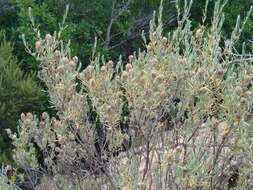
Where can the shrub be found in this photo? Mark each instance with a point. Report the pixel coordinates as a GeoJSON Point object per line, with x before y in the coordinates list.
{"type": "Point", "coordinates": [186, 103]}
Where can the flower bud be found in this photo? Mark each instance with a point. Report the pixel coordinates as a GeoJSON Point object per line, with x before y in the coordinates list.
{"type": "Point", "coordinates": [164, 40]}
{"type": "Point", "coordinates": [55, 123]}
{"type": "Point", "coordinates": [199, 33]}
{"type": "Point", "coordinates": [57, 54]}
{"type": "Point", "coordinates": [103, 69]}
{"type": "Point", "coordinates": [72, 63]}
{"type": "Point", "coordinates": [149, 48]}
{"type": "Point", "coordinates": [44, 116]}
{"type": "Point", "coordinates": [131, 58]}
{"type": "Point", "coordinates": [90, 68]}
{"type": "Point", "coordinates": [38, 47]}
{"type": "Point", "coordinates": [53, 120]}
{"type": "Point", "coordinates": [60, 69]}
{"type": "Point", "coordinates": [42, 124]}
{"type": "Point", "coordinates": [48, 39]}
{"type": "Point", "coordinates": [88, 72]}
{"type": "Point", "coordinates": [29, 116]}
{"type": "Point", "coordinates": [110, 62]}
{"type": "Point", "coordinates": [163, 94]}
{"type": "Point", "coordinates": [23, 117]}
{"type": "Point", "coordinates": [109, 109]}
{"type": "Point", "coordinates": [75, 59]}
{"type": "Point", "coordinates": [128, 66]}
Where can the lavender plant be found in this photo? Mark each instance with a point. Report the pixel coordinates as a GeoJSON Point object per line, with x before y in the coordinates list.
{"type": "Point", "coordinates": [189, 103]}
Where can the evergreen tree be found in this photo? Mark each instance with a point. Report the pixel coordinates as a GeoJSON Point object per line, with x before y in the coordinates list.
{"type": "Point", "coordinates": [18, 93]}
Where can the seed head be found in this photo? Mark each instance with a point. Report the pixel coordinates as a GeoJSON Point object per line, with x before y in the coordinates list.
{"type": "Point", "coordinates": [44, 116]}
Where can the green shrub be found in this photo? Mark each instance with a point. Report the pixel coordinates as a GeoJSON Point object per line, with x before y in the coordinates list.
{"type": "Point", "coordinates": [18, 93]}
{"type": "Point", "coordinates": [190, 114]}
